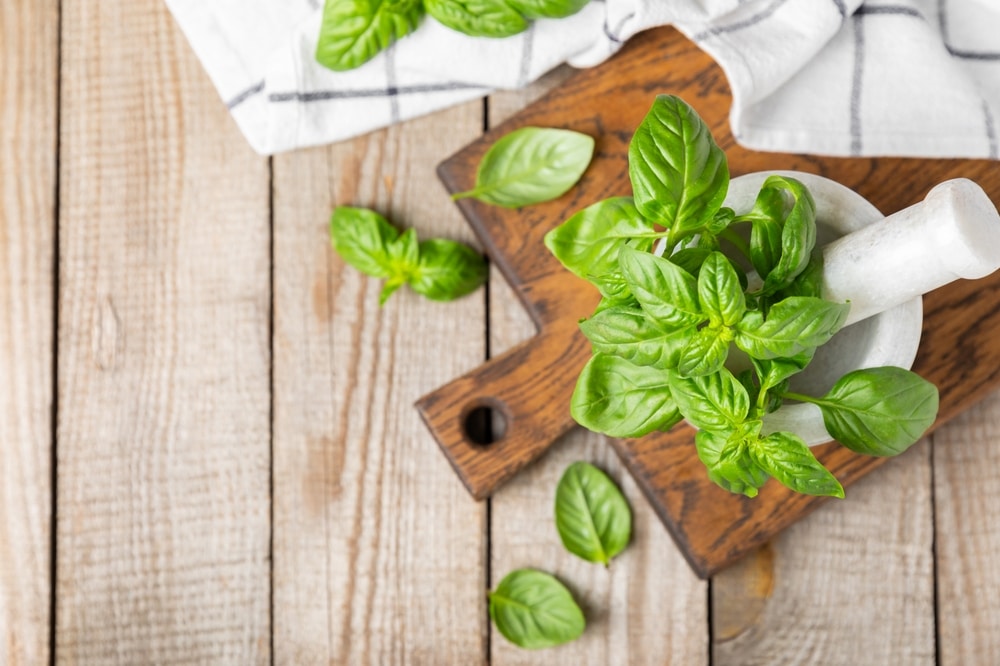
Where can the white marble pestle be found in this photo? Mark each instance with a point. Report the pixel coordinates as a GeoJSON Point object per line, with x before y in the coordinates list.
{"type": "Point", "coordinates": [882, 266]}
{"type": "Point", "coordinates": [953, 233]}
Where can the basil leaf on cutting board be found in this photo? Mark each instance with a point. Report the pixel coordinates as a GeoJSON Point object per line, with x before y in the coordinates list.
{"type": "Point", "coordinates": [593, 519]}
{"type": "Point", "coordinates": [531, 165]}
{"type": "Point", "coordinates": [533, 610]}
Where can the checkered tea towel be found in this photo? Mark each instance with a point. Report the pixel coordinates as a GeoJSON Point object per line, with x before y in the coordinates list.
{"type": "Point", "coordinates": [835, 77]}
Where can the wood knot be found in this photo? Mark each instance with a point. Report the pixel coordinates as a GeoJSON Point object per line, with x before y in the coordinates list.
{"type": "Point", "coordinates": [108, 337]}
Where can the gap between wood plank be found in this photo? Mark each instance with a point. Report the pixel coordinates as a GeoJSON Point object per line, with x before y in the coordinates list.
{"type": "Point", "coordinates": [54, 409]}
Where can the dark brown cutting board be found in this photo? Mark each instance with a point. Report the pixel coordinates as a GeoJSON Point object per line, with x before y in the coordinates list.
{"type": "Point", "coordinates": [530, 386]}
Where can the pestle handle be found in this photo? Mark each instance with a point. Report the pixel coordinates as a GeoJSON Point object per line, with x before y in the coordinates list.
{"type": "Point", "coordinates": [953, 233]}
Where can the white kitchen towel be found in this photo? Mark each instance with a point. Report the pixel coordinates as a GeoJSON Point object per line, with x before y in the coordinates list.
{"type": "Point", "coordinates": [835, 77]}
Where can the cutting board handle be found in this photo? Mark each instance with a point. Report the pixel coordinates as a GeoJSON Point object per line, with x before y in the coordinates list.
{"type": "Point", "coordinates": [527, 391]}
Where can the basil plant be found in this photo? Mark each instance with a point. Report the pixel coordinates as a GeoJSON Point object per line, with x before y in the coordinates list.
{"type": "Point", "coordinates": [674, 305]}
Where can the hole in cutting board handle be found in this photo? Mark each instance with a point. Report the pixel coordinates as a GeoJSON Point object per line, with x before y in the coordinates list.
{"type": "Point", "coordinates": [485, 422]}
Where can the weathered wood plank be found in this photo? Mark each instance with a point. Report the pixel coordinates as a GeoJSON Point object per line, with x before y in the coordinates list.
{"type": "Point", "coordinates": [852, 584]}
{"type": "Point", "coordinates": [379, 552]}
{"type": "Point", "coordinates": [967, 512]}
{"type": "Point", "coordinates": [28, 109]}
{"type": "Point", "coordinates": [647, 607]}
{"type": "Point", "coordinates": [164, 356]}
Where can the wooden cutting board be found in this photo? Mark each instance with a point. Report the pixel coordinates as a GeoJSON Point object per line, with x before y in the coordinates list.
{"type": "Point", "coordinates": [530, 386]}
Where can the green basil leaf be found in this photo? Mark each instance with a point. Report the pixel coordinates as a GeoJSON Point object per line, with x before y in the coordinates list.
{"type": "Point", "coordinates": [530, 165]}
{"type": "Point", "coordinates": [793, 326]}
{"type": "Point", "coordinates": [879, 411]}
{"type": "Point", "coordinates": [691, 259]}
{"type": "Point", "coordinates": [447, 270]}
{"type": "Point", "coordinates": [592, 516]}
{"type": "Point", "coordinates": [765, 245]}
{"type": "Point", "coordinates": [728, 462]}
{"type": "Point", "coordinates": [711, 402]}
{"type": "Point", "coordinates": [534, 9]}
{"type": "Point", "coordinates": [720, 221]}
{"type": "Point", "coordinates": [355, 31]}
{"type": "Point", "coordinates": [798, 233]}
{"type": "Point", "coordinates": [615, 292]}
{"type": "Point", "coordinates": [810, 281]}
{"type": "Point", "coordinates": [532, 609]}
{"type": "Point", "coordinates": [478, 18]}
{"type": "Point", "coordinates": [719, 291]}
{"type": "Point", "coordinates": [635, 336]}
{"type": "Point", "coordinates": [617, 398]}
{"type": "Point", "coordinates": [776, 370]}
{"type": "Point", "coordinates": [588, 243]}
{"type": "Point", "coordinates": [362, 238]}
{"type": "Point", "coordinates": [786, 457]}
{"type": "Point", "coordinates": [666, 291]}
{"type": "Point", "coordinates": [679, 174]}
{"type": "Point", "coordinates": [390, 288]}
{"type": "Point", "coordinates": [705, 352]}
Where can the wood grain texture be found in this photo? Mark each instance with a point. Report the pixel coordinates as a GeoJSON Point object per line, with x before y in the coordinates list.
{"type": "Point", "coordinates": [163, 431]}
{"type": "Point", "coordinates": [713, 527]}
{"type": "Point", "coordinates": [28, 110]}
{"type": "Point", "coordinates": [852, 585]}
{"type": "Point", "coordinates": [966, 488]}
{"type": "Point", "coordinates": [379, 553]}
{"type": "Point", "coordinates": [647, 607]}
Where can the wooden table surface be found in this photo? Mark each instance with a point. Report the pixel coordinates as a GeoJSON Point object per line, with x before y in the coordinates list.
{"type": "Point", "coordinates": [208, 446]}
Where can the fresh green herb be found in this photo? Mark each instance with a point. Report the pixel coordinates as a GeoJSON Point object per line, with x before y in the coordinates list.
{"type": "Point", "coordinates": [478, 18]}
{"type": "Point", "coordinates": [439, 269]}
{"type": "Point", "coordinates": [355, 31]}
{"type": "Point", "coordinates": [592, 516]}
{"type": "Point", "coordinates": [667, 321]}
{"type": "Point", "coordinates": [531, 165]}
{"type": "Point", "coordinates": [533, 610]}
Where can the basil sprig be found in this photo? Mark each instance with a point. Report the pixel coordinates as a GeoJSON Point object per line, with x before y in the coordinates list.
{"type": "Point", "coordinates": [355, 31]}
{"type": "Point", "coordinates": [667, 322]}
{"type": "Point", "coordinates": [532, 609]}
{"type": "Point", "coordinates": [438, 269]}
{"type": "Point", "coordinates": [531, 165]}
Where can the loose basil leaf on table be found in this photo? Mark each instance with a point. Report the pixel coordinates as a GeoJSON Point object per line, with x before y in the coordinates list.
{"type": "Point", "coordinates": [531, 165]}
{"type": "Point", "coordinates": [679, 174]}
{"type": "Point", "coordinates": [786, 457]}
{"type": "Point", "coordinates": [533, 610]}
{"type": "Point", "coordinates": [593, 519]}
{"type": "Point", "coordinates": [617, 398]}
{"type": "Point", "coordinates": [362, 238]}
{"type": "Point", "coordinates": [439, 269]}
{"type": "Point", "coordinates": [534, 9]}
{"type": "Point", "coordinates": [403, 257]}
{"type": "Point", "coordinates": [879, 411]}
{"type": "Point", "coordinates": [355, 31]}
{"type": "Point", "coordinates": [587, 244]}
